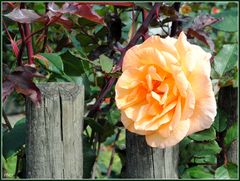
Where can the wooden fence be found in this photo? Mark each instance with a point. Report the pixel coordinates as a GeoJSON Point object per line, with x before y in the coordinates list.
{"type": "Point", "coordinates": [54, 140]}
{"type": "Point", "coordinates": [54, 136]}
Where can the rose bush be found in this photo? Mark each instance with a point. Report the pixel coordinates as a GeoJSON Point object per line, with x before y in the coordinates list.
{"type": "Point", "coordinates": [165, 91]}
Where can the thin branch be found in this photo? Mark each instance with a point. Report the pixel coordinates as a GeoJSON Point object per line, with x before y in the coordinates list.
{"type": "Point", "coordinates": [133, 22]}
{"type": "Point", "coordinates": [144, 16]}
{"type": "Point", "coordinates": [175, 24]}
{"type": "Point", "coordinates": [97, 156]}
{"type": "Point", "coordinates": [20, 54]}
{"type": "Point", "coordinates": [29, 44]}
{"type": "Point", "coordinates": [6, 120]}
{"type": "Point", "coordinates": [45, 31]}
{"type": "Point", "coordinates": [46, 26]}
{"type": "Point", "coordinates": [142, 30]}
{"type": "Point", "coordinates": [109, 170]}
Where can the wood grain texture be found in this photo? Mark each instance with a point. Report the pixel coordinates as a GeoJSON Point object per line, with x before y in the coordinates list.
{"type": "Point", "coordinates": [143, 161]}
{"type": "Point", "coordinates": [54, 132]}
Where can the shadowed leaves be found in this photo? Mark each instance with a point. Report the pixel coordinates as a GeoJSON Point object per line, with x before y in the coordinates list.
{"type": "Point", "coordinates": [22, 81]}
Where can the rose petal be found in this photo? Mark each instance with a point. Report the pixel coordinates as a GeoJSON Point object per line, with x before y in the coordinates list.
{"type": "Point", "coordinates": [131, 55]}
{"type": "Point", "coordinates": [153, 124]}
{"type": "Point", "coordinates": [205, 106]}
{"type": "Point", "coordinates": [128, 124]}
{"type": "Point", "coordinates": [204, 114]}
{"type": "Point", "coordinates": [180, 131]}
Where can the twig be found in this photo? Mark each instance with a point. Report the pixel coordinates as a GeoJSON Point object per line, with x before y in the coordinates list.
{"type": "Point", "coordinates": [20, 54]}
{"type": "Point", "coordinates": [109, 170]}
{"type": "Point", "coordinates": [133, 22]}
{"type": "Point", "coordinates": [175, 24]}
{"type": "Point", "coordinates": [6, 120]}
{"type": "Point", "coordinates": [45, 31]}
{"type": "Point", "coordinates": [141, 31]}
{"type": "Point", "coordinates": [46, 26]}
{"type": "Point", "coordinates": [29, 44]}
{"type": "Point", "coordinates": [144, 16]}
{"type": "Point", "coordinates": [97, 156]}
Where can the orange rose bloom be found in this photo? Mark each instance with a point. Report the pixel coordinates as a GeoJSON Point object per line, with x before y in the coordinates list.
{"type": "Point", "coordinates": [165, 91]}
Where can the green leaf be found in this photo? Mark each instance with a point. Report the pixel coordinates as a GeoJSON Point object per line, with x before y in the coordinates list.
{"type": "Point", "coordinates": [230, 21]}
{"type": "Point", "coordinates": [145, 5]}
{"type": "Point", "coordinates": [14, 139]}
{"type": "Point", "coordinates": [205, 135]}
{"type": "Point", "coordinates": [232, 170]}
{"type": "Point", "coordinates": [10, 166]}
{"type": "Point", "coordinates": [210, 159]}
{"type": "Point", "coordinates": [54, 62]}
{"type": "Point", "coordinates": [113, 116]}
{"type": "Point", "coordinates": [94, 125]}
{"type": "Point", "coordinates": [231, 135]}
{"type": "Point", "coordinates": [72, 65]}
{"type": "Point", "coordinates": [197, 172]}
{"type": "Point", "coordinates": [106, 63]}
{"type": "Point", "coordinates": [220, 122]}
{"type": "Point", "coordinates": [221, 173]}
{"type": "Point", "coordinates": [226, 59]}
{"type": "Point", "coordinates": [205, 148]}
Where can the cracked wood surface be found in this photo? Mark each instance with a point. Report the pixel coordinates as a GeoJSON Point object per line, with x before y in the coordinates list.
{"type": "Point", "coordinates": [143, 161]}
{"type": "Point", "coordinates": [54, 132]}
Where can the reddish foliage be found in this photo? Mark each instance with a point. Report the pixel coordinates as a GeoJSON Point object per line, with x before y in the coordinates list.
{"type": "Point", "coordinates": [196, 30]}
{"type": "Point", "coordinates": [202, 36]}
{"type": "Point", "coordinates": [23, 15]}
{"type": "Point", "coordinates": [22, 81]}
{"type": "Point", "coordinates": [80, 9]}
{"type": "Point", "coordinates": [204, 20]}
{"type": "Point", "coordinates": [125, 4]}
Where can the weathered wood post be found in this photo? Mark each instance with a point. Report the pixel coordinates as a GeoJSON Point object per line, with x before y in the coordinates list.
{"type": "Point", "coordinates": [143, 161]}
{"type": "Point", "coordinates": [54, 132]}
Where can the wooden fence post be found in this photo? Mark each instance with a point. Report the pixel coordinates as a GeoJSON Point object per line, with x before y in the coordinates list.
{"type": "Point", "coordinates": [143, 161]}
{"type": "Point", "coordinates": [54, 132]}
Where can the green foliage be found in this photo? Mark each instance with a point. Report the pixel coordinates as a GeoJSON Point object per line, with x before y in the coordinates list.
{"type": "Point", "coordinates": [231, 135]}
{"type": "Point", "coordinates": [53, 63]}
{"type": "Point", "coordinates": [232, 170]}
{"type": "Point", "coordinates": [9, 166]}
{"type": "Point", "coordinates": [221, 173]}
{"type": "Point", "coordinates": [220, 122]}
{"type": "Point", "coordinates": [226, 59]}
{"type": "Point", "coordinates": [198, 172]}
{"type": "Point", "coordinates": [205, 135]}
{"type": "Point", "coordinates": [106, 63]}
{"type": "Point", "coordinates": [229, 22]}
{"type": "Point", "coordinates": [14, 139]}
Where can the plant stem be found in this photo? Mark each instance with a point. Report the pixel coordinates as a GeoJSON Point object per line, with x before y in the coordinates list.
{"type": "Point", "coordinates": [29, 44]}
{"type": "Point", "coordinates": [6, 120]}
{"type": "Point", "coordinates": [20, 54]}
{"type": "Point", "coordinates": [45, 31]}
{"type": "Point", "coordinates": [175, 24]}
{"type": "Point", "coordinates": [141, 31]}
{"type": "Point", "coordinates": [109, 170]}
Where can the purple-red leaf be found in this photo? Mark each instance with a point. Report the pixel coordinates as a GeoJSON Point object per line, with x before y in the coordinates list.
{"type": "Point", "coordinates": [23, 15]}
{"type": "Point", "coordinates": [86, 12]}
{"type": "Point", "coordinates": [124, 4]}
{"type": "Point", "coordinates": [203, 37]}
{"type": "Point", "coordinates": [8, 88]}
{"type": "Point", "coordinates": [196, 30]}
{"type": "Point", "coordinates": [204, 20]}
{"type": "Point", "coordinates": [22, 81]}
{"type": "Point", "coordinates": [59, 19]}
{"type": "Point", "coordinates": [81, 9]}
